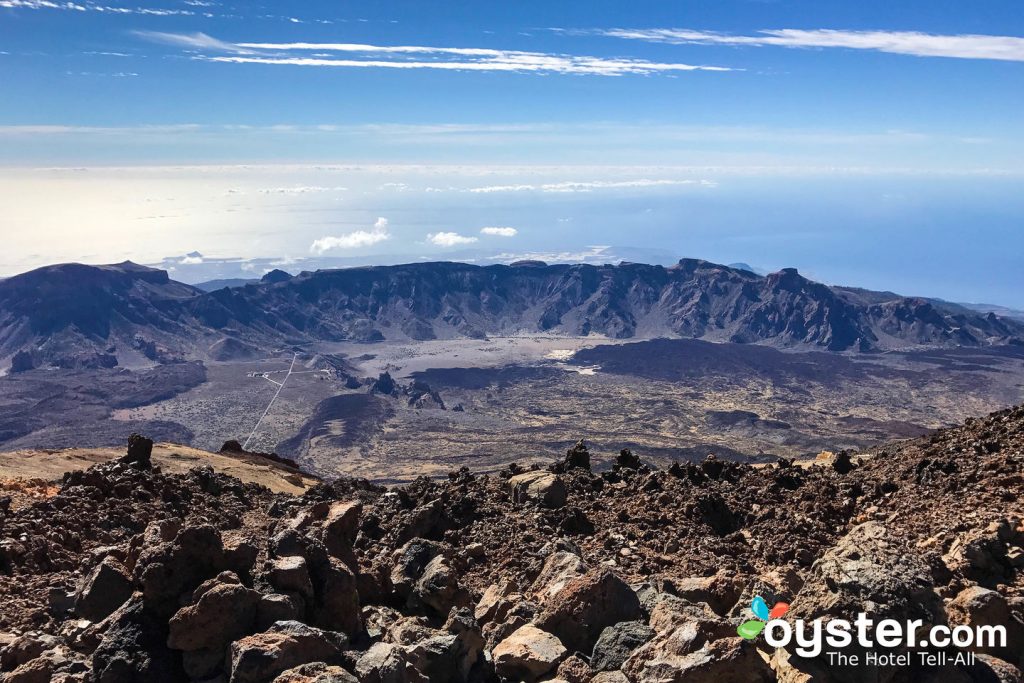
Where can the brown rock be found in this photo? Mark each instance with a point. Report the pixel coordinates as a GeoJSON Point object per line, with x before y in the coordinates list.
{"type": "Point", "coordinates": [103, 590]}
{"type": "Point", "coordinates": [260, 658]}
{"type": "Point", "coordinates": [586, 606]}
{"type": "Point", "coordinates": [221, 614]}
{"type": "Point", "coordinates": [527, 654]}
{"type": "Point", "coordinates": [540, 487]}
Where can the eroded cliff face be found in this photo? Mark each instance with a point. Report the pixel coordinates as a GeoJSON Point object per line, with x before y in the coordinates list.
{"type": "Point", "coordinates": [74, 315]}
{"type": "Point", "coordinates": [557, 572]}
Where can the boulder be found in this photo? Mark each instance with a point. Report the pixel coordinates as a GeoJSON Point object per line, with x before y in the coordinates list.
{"type": "Point", "coordinates": [274, 607]}
{"type": "Point", "coordinates": [382, 663]}
{"type": "Point", "coordinates": [340, 529]}
{"type": "Point", "coordinates": [409, 563]}
{"type": "Point", "coordinates": [720, 591]}
{"type": "Point", "coordinates": [559, 569]}
{"type": "Point", "coordinates": [867, 571]}
{"type": "Point", "coordinates": [168, 570]}
{"type": "Point", "coordinates": [221, 614]}
{"type": "Point", "coordinates": [539, 487]}
{"type": "Point", "coordinates": [140, 452]}
{"type": "Point", "coordinates": [336, 602]}
{"type": "Point", "coordinates": [527, 654]}
{"type": "Point", "coordinates": [616, 643]}
{"type": "Point", "coordinates": [976, 606]}
{"type": "Point", "coordinates": [291, 575]}
{"type": "Point", "coordinates": [316, 673]}
{"type": "Point", "coordinates": [103, 590]}
{"type": "Point", "coordinates": [438, 588]}
{"type": "Point", "coordinates": [260, 658]}
{"type": "Point", "coordinates": [134, 648]}
{"type": "Point", "coordinates": [586, 606]}
{"type": "Point", "coordinates": [728, 660]}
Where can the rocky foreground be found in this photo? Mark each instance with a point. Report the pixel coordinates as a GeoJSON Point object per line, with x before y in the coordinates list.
{"type": "Point", "coordinates": [129, 574]}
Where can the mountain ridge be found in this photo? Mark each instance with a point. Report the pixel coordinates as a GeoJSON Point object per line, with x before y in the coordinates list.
{"type": "Point", "coordinates": [79, 311]}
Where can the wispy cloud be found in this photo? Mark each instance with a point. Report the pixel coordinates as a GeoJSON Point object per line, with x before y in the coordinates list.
{"type": "Point", "coordinates": [962, 46]}
{"type": "Point", "coordinates": [360, 55]}
{"type": "Point", "coordinates": [353, 240]}
{"type": "Point", "coordinates": [193, 41]}
{"type": "Point", "coordinates": [92, 7]}
{"type": "Point", "coordinates": [449, 239]}
{"type": "Point", "coordinates": [589, 186]}
{"type": "Point", "coordinates": [499, 232]}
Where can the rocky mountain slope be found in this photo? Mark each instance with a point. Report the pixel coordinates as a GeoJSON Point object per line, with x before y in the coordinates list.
{"type": "Point", "coordinates": [128, 573]}
{"type": "Point", "coordinates": [76, 315]}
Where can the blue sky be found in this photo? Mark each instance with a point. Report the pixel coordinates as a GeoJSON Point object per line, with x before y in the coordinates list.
{"type": "Point", "coordinates": [869, 143]}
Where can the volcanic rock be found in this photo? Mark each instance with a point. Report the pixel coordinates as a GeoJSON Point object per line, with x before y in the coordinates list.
{"type": "Point", "coordinates": [103, 590]}
{"type": "Point", "coordinates": [262, 657]}
{"type": "Point", "coordinates": [586, 606]}
{"type": "Point", "coordinates": [527, 654]}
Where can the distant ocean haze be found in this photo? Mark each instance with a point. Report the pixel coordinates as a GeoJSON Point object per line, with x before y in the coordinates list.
{"type": "Point", "coordinates": [906, 233]}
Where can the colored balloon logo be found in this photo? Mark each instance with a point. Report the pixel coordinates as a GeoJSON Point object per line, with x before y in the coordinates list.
{"type": "Point", "coordinates": [752, 628]}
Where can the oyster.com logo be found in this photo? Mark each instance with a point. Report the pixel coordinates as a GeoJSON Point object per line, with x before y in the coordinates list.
{"type": "Point", "coordinates": [752, 629]}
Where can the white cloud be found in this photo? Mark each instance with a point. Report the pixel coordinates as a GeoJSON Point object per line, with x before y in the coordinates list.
{"type": "Point", "coordinates": [193, 41]}
{"type": "Point", "coordinates": [588, 186]}
{"type": "Point", "coordinates": [499, 232]}
{"type": "Point", "coordinates": [418, 57]}
{"type": "Point", "coordinates": [353, 240]}
{"type": "Point", "coordinates": [92, 7]}
{"type": "Point", "coordinates": [963, 46]}
{"type": "Point", "coordinates": [301, 189]}
{"type": "Point", "coordinates": [449, 239]}
{"type": "Point", "coordinates": [191, 260]}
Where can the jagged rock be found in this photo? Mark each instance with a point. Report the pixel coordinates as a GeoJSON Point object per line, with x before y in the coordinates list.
{"type": "Point", "coordinates": [291, 575]}
{"type": "Point", "coordinates": [681, 629]}
{"type": "Point", "coordinates": [167, 570]}
{"type": "Point", "coordinates": [103, 590]}
{"type": "Point", "coordinates": [720, 591]}
{"type": "Point", "coordinates": [134, 648]}
{"type": "Point", "coordinates": [586, 606]}
{"type": "Point", "coordinates": [276, 607]}
{"type": "Point", "coordinates": [994, 670]}
{"type": "Point", "coordinates": [616, 643]}
{"type": "Point", "coordinates": [577, 456]}
{"type": "Point", "coordinates": [56, 664]}
{"type": "Point", "coordinates": [383, 663]}
{"type": "Point", "coordinates": [729, 660]}
{"type": "Point", "coordinates": [540, 487]}
{"type": "Point", "coordinates": [384, 384]}
{"type": "Point", "coordinates": [870, 571]}
{"type": "Point", "coordinates": [336, 602]}
{"type": "Point", "coordinates": [609, 677]}
{"type": "Point", "coordinates": [574, 669]}
{"type": "Point", "coordinates": [410, 562]}
{"type": "Point", "coordinates": [140, 451]}
{"type": "Point", "coordinates": [981, 555]}
{"type": "Point", "coordinates": [24, 648]}
{"type": "Point", "coordinates": [976, 606]}
{"type": "Point", "coordinates": [316, 673]}
{"type": "Point", "coordinates": [240, 555]}
{"type": "Point", "coordinates": [627, 460]}
{"type": "Point", "coordinates": [438, 588]}
{"type": "Point", "coordinates": [261, 657]}
{"type": "Point", "coordinates": [340, 529]}
{"type": "Point", "coordinates": [218, 615]}
{"type": "Point", "coordinates": [559, 569]}
{"type": "Point", "coordinates": [527, 654]}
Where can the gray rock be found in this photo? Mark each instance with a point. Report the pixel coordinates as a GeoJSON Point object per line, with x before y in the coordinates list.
{"type": "Point", "coordinates": [103, 590]}
{"type": "Point", "coordinates": [616, 643]}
